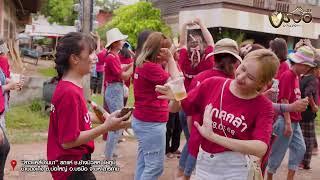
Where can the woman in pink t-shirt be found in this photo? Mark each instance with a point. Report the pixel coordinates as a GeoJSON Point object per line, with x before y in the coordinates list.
{"type": "Point", "coordinates": [114, 75]}
{"type": "Point", "coordinates": [70, 135]}
{"type": "Point", "coordinates": [151, 114]}
{"type": "Point", "coordinates": [280, 48]}
{"type": "Point", "coordinates": [226, 57]}
{"type": "Point", "coordinates": [232, 114]}
{"type": "Point", "coordinates": [125, 59]}
{"type": "Point", "coordinates": [195, 55]}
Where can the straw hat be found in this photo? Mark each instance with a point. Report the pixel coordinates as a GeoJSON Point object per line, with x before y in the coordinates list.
{"type": "Point", "coordinates": [304, 55]}
{"type": "Point", "coordinates": [114, 35]}
{"type": "Point", "coordinates": [228, 46]}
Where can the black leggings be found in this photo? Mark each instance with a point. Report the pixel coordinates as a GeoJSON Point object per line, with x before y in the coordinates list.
{"type": "Point", "coordinates": [173, 133]}
{"type": "Point", "coordinates": [83, 175]}
{"type": "Point", "coordinates": [4, 151]}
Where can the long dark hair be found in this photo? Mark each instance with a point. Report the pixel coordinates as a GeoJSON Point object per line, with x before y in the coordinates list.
{"type": "Point", "coordinates": [125, 52]}
{"type": "Point", "coordinates": [71, 43]}
{"type": "Point", "coordinates": [225, 62]}
{"type": "Point", "coordinates": [143, 36]}
{"type": "Point", "coordinates": [280, 48]}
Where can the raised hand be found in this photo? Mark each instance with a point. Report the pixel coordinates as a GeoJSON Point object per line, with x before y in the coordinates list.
{"type": "Point", "coordinates": [165, 91]}
{"type": "Point", "coordinates": [206, 128]}
{"type": "Point", "coordinates": [165, 55]}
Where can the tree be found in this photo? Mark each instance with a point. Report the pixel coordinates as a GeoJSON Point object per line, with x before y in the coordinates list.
{"type": "Point", "coordinates": [133, 19]}
{"type": "Point", "coordinates": [59, 11]}
{"type": "Point", "coordinates": [108, 5]}
{"type": "Point", "coordinates": [237, 35]}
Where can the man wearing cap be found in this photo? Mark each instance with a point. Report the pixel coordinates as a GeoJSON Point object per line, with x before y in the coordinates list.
{"type": "Point", "coordinates": [114, 77]}
{"type": "Point", "coordinates": [287, 127]}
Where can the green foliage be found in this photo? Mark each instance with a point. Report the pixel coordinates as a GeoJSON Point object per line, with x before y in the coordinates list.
{"type": "Point", "coordinates": [133, 19]}
{"type": "Point", "coordinates": [59, 11]}
{"type": "Point", "coordinates": [44, 41]}
{"type": "Point", "coordinates": [35, 106]}
{"type": "Point", "coordinates": [236, 35]}
{"type": "Point", "coordinates": [48, 72]}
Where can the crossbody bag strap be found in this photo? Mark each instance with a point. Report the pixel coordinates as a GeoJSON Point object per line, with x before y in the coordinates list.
{"type": "Point", "coordinates": [221, 98]}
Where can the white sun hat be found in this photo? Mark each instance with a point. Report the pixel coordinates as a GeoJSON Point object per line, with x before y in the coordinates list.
{"type": "Point", "coordinates": [114, 35]}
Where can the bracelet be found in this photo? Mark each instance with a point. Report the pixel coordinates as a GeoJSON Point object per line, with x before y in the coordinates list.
{"type": "Point", "coordinates": [281, 109]}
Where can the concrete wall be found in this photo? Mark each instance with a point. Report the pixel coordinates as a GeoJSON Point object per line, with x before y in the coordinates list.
{"type": "Point", "coordinates": [31, 90]}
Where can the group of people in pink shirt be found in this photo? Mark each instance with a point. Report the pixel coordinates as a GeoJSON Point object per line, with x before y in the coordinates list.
{"type": "Point", "coordinates": [7, 84]}
{"type": "Point", "coordinates": [242, 109]}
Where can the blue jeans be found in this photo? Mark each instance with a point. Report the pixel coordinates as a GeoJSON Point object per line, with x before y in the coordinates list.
{"type": "Point", "coordinates": [187, 162]}
{"type": "Point", "coordinates": [114, 100]}
{"type": "Point", "coordinates": [295, 143]}
{"type": "Point", "coordinates": [151, 138]}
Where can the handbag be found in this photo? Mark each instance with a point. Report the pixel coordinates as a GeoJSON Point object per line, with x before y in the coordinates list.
{"type": "Point", "coordinates": [254, 169]}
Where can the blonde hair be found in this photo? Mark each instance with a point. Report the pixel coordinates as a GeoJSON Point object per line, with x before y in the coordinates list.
{"type": "Point", "coordinates": [152, 46]}
{"type": "Point", "coordinates": [269, 64]}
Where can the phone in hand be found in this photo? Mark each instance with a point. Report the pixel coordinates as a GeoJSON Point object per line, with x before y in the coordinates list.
{"type": "Point", "coordinates": [127, 45]}
{"type": "Point", "coordinates": [125, 111]}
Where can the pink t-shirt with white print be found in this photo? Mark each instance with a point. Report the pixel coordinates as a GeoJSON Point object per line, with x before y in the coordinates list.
{"type": "Point", "coordinates": [289, 89]}
{"type": "Point", "coordinates": [241, 119]}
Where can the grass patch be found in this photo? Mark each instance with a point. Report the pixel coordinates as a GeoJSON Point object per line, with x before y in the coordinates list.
{"type": "Point", "coordinates": [131, 97]}
{"type": "Point", "coordinates": [317, 123]}
{"type": "Point", "coordinates": [98, 98]}
{"type": "Point", "coordinates": [48, 72]}
{"type": "Point", "coordinates": [27, 123]}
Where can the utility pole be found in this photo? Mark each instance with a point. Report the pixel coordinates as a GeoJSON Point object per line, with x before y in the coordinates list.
{"type": "Point", "coordinates": [86, 27]}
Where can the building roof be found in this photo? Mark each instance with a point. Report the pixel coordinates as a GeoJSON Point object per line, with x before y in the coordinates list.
{"type": "Point", "coordinates": [53, 30]}
{"type": "Point", "coordinates": [26, 7]}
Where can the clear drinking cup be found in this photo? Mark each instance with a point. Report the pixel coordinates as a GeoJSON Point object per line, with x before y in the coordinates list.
{"type": "Point", "coordinates": [178, 89]}
{"type": "Point", "coordinates": [16, 77]}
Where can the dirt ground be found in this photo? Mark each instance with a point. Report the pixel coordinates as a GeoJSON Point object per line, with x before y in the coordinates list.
{"type": "Point", "coordinates": [127, 162]}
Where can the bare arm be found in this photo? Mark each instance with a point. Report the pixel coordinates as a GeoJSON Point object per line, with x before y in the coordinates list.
{"type": "Point", "coordinates": [111, 123]}
{"type": "Point", "coordinates": [287, 119]}
{"type": "Point", "coordinates": [251, 147]}
{"type": "Point", "coordinates": [299, 105]}
{"type": "Point", "coordinates": [183, 36]}
{"type": "Point", "coordinates": [173, 68]}
{"type": "Point", "coordinates": [206, 34]}
{"type": "Point", "coordinates": [313, 104]}
{"type": "Point", "coordinates": [125, 75]}
{"type": "Point", "coordinates": [86, 136]}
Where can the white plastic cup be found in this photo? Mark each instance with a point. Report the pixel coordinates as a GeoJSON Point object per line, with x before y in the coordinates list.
{"type": "Point", "coordinates": [178, 89]}
{"type": "Point", "coordinates": [16, 77]}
